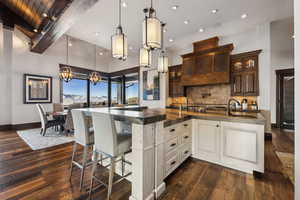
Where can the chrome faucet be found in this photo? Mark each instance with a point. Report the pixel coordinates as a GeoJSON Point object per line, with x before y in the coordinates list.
{"type": "Point", "coordinates": [229, 103]}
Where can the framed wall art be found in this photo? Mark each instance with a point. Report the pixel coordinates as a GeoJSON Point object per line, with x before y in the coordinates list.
{"type": "Point", "coordinates": [37, 89]}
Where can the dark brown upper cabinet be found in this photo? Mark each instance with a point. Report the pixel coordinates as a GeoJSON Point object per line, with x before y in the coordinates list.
{"type": "Point", "coordinates": [244, 74]}
{"type": "Point", "coordinates": [175, 87]}
{"type": "Point", "coordinates": [209, 64]}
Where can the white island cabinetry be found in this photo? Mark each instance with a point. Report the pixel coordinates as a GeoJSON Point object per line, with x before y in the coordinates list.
{"type": "Point", "coordinates": [235, 145]}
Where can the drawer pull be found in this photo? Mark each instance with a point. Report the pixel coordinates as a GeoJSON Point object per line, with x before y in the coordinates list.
{"type": "Point", "coordinates": [173, 163]}
{"type": "Point", "coordinates": [186, 152]}
{"type": "Point", "coordinates": [172, 145]}
{"type": "Point", "coordinates": [217, 125]}
{"type": "Point", "coordinates": [172, 130]}
{"type": "Point", "coordinates": [186, 137]}
{"type": "Point", "coordinates": [185, 125]}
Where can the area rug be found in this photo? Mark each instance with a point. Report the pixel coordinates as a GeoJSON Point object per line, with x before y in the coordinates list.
{"type": "Point", "coordinates": [36, 141]}
{"type": "Point", "coordinates": [287, 160]}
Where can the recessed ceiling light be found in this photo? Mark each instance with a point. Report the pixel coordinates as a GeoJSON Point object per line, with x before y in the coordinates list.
{"type": "Point", "coordinates": [186, 21]}
{"type": "Point", "coordinates": [171, 40]}
{"type": "Point", "coordinates": [124, 4]}
{"type": "Point", "coordinates": [214, 11]}
{"type": "Point", "coordinates": [201, 30]}
{"type": "Point", "coordinates": [45, 15]}
{"type": "Point", "coordinates": [35, 30]}
{"type": "Point", "coordinates": [244, 16]}
{"type": "Point", "coordinates": [97, 33]}
{"type": "Point", "coordinates": [70, 44]}
{"type": "Point", "coordinates": [130, 47]}
{"type": "Point", "coordinates": [175, 7]}
{"type": "Point", "coordinates": [165, 30]}
{"type": "Point", "coordinates": [101, 53]}
{"type": "Point", "coordinates": [293, 36]}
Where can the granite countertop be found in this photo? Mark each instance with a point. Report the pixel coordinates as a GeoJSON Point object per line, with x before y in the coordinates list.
{"type": "Point", "coordinates": [131, 114]}
{"type": "Point", "coordinates": [173, 117]}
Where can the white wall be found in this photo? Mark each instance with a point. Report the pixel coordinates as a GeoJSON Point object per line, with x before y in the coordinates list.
{"type": "Point", "coordinates": [23, 61]}
{"type": "Point", "coordinates": [245, 38]}
{"type": "Point", "coordinates": [297, 98]}
{"type": "Point", "coordinates": [282, 54]}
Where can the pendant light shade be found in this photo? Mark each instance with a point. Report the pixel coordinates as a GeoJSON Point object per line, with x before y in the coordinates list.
{"type": "Point", "coordinates": [119, 41]}
{"type": "Point", "coordinates": [151, 29]}
{"type": "Point", "coordinates": [65, 72]}
{"type": "Point", "coordinates": [163, 63]}
{"type": "Point", "coordinates": [95, 77]}
{"type": "Point", "coordinates": [145, 57]}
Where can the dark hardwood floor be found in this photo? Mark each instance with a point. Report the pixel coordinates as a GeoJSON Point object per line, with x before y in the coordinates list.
{"type": "Point", "coordinates": [43, 174]}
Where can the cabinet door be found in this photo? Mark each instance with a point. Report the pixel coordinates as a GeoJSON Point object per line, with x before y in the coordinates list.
{"type": "Point", "coordinates": [237, 85]}
{"type": "Point", "coordinates": [207, 140]}
{"type": "Point", "coordinates": [250, 84]}
{"type": "Point", "coordinates": [188, 65]}
{"type": "Point", "coordinates": [203, 64]}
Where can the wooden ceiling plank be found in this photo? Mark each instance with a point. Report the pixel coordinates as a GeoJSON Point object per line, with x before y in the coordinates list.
{"type": "Point", "coordinates": [75, 9]}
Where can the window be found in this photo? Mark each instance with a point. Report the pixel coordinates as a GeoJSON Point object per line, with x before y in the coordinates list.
{"type": "Point", "coordinates": [116, 91]}
{"type": "Point", "coordinates": [75, 91]}
{"type": "Point", "coordinates": [99, 94]}
{"type": "Point", "coordinates": [132, 89]}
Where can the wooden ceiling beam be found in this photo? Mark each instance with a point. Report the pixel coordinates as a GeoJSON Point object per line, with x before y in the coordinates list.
{"type": "Point", "coordinates": [70, 10]}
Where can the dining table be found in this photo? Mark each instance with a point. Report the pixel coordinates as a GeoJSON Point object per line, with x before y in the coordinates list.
{"type": "Point", "coordinates": [59, 115]}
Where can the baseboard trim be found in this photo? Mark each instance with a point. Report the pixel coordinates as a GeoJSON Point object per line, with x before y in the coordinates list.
{"type": "Point", "coordinates": [15, 127]}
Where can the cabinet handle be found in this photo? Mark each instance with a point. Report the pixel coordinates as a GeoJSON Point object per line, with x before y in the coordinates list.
{"type": "Point", "coordinates": [172, 145]}
{"type": "Point", "coordinates": [172, 163]}
{"type": "Point", "coordinates": [186, 152]}
{"type": "Point", "coordinates": [217, 125]}
{"type": "Point", "coordinates": [172, 130]}
{"type": "Point", "coordinates": [185, 125]}
{"type": "Point", "coordinates": [186, 137]}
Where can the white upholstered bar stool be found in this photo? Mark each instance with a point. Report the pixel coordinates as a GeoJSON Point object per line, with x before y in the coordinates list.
{"type": "Point", "coordinates": [110, 144]}
{"type": "Point", "coordinates": [84, 135]}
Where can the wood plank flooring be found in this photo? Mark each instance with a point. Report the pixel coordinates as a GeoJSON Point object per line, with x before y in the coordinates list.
{"type": "Point", "coordinates": [43, 175]}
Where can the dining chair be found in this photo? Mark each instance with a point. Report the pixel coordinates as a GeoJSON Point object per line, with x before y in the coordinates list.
{"type": "Point", "coordinates": [110, 144]}
{"type": "Point", "coordinates": [45, 122]}
{"type": "Point", "coordinates": [84, 135]}
{"type": "Point", "coordinates": [58, 107]}
{"type": "Point", "coordinates": [69, 125]}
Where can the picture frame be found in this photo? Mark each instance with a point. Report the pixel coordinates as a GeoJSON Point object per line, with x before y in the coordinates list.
{"type": "Point", "coordinates": [37, 89]}
{"type": "Point", "coordinates": [151, 85]}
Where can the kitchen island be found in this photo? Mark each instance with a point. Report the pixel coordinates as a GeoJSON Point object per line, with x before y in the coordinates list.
{"type": "Point", "coordinates": [164, 138]}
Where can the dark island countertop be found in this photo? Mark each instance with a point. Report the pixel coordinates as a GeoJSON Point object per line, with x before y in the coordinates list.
{"type": "Point", "coordinates": [143, 115]}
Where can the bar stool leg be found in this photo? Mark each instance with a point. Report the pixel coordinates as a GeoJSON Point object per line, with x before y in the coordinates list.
{"type": "Point", "coordinates": [85, 151]}
{"type": "Point", "coordinates": [123, 164]}
{"type": "Point", "coordinates": [111, 176]}
{"type": "Point", "coordinates": [92, 177]}
{"type": "Point", "coordinates": [73, 156]}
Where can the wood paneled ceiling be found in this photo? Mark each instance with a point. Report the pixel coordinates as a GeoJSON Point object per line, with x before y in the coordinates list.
{"type": "Point", "coordinates": [43, 21]}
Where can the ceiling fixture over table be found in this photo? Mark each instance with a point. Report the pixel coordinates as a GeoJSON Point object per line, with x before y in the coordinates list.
{"type": "Point", "coordinates": [145, 57]}
{"type": "Point", "coordinates": [65, 72]}
{"type": "Point", "coordinates": [95, 77]}
{"type": "Point", "coordinates": [119, 41]}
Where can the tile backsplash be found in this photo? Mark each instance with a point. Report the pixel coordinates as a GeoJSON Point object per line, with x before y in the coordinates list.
{"type": "Point", "coordinates": [210, 94]}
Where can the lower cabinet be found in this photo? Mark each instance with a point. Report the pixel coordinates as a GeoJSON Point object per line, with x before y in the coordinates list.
{"type": "Point", "coordinates": [235, 145]}
{"type": "Point", "coordinates": [177, 145]}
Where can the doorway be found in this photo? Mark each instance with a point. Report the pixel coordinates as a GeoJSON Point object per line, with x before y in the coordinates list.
{"type": "Point", "coordinates": [285, 81]}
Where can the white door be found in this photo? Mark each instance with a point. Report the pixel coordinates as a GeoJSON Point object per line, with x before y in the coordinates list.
{"type": "Point", "coordinates": [206, 138]}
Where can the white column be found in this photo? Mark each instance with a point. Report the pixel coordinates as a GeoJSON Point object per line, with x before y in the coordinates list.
{"type": "Point", "coordinates": [143, 163]}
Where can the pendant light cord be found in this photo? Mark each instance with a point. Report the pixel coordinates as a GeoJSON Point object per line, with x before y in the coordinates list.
{"type": "Point", "coordinates": [67, 50]}
{"type": "Point", "coordinates": [95, 57]}
{"type": "Point", "coordinates": [119, 13]}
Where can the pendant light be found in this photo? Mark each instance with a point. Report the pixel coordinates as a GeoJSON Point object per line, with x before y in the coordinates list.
{"type": "Point", "coordinates": [151, 29]}
{"type": "Point", "coordinates": [119, 41]}
{"type": "Point", "coordinates": [65, 72]}
{"type": "Point", "coordinates": [163, 61]}
{"type": "Point", "coordinates": [95, 77]}
{"type": "Point", "coordinates": [145, 57]}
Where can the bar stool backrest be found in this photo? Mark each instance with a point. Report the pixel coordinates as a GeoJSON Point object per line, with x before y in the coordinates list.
{"type": "Point", "coordinates": [105, 133]}
{"type": "Point", "coordinates": [81, 127]}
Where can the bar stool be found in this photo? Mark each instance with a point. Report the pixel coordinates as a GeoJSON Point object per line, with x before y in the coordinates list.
{"type": "Point", "coordinates": [84, 135]}
{"type": "Point", "coordinates": [112, 145]}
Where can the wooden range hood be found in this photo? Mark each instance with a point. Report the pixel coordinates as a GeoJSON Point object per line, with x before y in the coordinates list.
{"type": "Point", "coordinates": [208, 64]}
